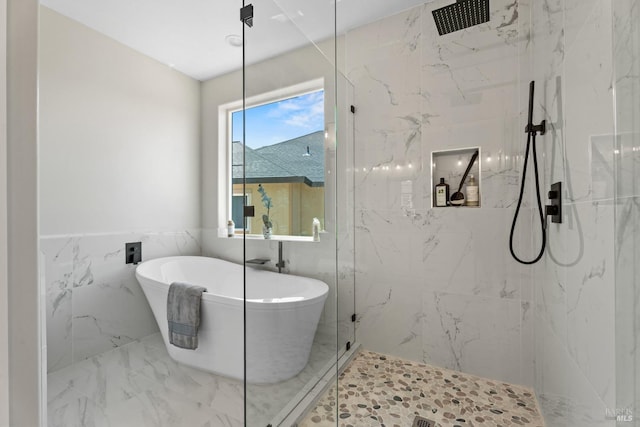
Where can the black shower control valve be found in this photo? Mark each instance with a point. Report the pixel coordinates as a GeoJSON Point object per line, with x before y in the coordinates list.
{"type": "Point", "coordinates": [554, 210]}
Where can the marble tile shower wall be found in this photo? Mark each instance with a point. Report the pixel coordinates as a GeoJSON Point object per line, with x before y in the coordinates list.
{"type": "Point", "coordinates": [437, 284]}
{"type": "Point", "coordinates": [575, 285]}
{"type": "Point", "coordinates": [626, 33]}
{"type": "Point", "coordinates": [94, 302]}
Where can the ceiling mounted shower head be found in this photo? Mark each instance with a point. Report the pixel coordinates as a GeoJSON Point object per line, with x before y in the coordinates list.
{"type": "Point", "coordinates": [460, 15]}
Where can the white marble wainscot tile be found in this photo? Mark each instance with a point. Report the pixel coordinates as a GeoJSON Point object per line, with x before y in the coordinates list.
{"type": "Point", "coordinates": [473, 334]}
{"type": "Point", "coordinates": [108, 315]}
{"type": "Point", "coordinates": [58, 266]}
{"type": "Point", "coordinates": [170, 243]}
{"type": "Point", "coordinates": [94, 301]}
{"type": "Point", "coordinates": [591, 301]}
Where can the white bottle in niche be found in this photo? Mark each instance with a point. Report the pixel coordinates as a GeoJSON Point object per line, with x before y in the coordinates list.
{"type": "Point", "coordinates": [473, 196]}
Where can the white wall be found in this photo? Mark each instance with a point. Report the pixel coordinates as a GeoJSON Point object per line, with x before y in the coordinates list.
{"type": "Point", "coordinates": [119, 146]}
{"type": "Point", "coordinates": [119, 162]}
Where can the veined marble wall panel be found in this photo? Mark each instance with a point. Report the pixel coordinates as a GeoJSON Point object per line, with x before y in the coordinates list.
{"type": "Point", "coordinates": [94, 302]}
{"type": "Point", "coordinates": [438, 285]}
{"type": "Point", "coordinates": [575, 284]}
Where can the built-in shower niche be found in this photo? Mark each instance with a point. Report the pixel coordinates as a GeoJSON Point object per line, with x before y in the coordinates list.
{"type": "Point", "coordinates": [451, 165]}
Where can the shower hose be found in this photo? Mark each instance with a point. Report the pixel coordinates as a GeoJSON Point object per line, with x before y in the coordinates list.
{"type": "Point", "coordinates": [531, 138]}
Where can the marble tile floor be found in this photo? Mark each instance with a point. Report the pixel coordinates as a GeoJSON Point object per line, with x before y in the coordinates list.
{"type": "Point", "coordinates": [139, 385]}
{"type": "Point", "coordinates": [378, 390]}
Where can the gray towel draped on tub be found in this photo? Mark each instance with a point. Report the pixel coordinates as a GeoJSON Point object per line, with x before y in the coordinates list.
{"type": "Point", "coordinates": [183, 314]}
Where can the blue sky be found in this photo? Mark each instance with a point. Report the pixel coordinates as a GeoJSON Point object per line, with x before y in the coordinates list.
{"type": "Point", "coordinates": [280, 121]}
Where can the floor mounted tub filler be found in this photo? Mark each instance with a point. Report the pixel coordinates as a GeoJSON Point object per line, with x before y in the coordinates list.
{"type": "Point", "coordinates": [282, 316]}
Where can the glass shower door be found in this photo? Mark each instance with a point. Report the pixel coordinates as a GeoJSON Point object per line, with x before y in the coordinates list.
{"type": "Point", "coordinates": [290, 178]}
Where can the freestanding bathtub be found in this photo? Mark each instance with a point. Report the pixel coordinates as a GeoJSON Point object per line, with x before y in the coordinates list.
{"type": "Point", "coordinates": [282, 316]}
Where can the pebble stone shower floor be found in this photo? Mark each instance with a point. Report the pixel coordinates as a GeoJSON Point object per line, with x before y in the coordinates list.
{"type": "Point", "coordinates": [378, 390]}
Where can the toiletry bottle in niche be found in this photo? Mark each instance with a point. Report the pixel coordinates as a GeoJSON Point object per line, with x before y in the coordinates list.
{"type": "Point", "coordinates": [473, 196]}
{"type": "Point", "coordinates": [441, 194]}
{"type": "Point", "coordinates": [230, 228]}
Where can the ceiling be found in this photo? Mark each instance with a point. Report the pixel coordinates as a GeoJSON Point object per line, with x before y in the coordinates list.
{"type": "Point", "coordinates": [189, 35]}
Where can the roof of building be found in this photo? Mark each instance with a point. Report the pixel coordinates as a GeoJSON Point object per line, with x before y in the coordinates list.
{"type": "Point", "coordinates": [283, 162]}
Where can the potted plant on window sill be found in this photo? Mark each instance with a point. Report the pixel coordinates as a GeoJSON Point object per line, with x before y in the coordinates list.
{"type": "Point", "coordinates": [267, 226]}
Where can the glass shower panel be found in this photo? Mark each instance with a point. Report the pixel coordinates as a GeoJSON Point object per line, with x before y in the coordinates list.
{"type": "Point", "coordinates": [626, 44]}
{"type": "Point", "coordinates": [290, 176]}
{"type": "Point", "coordinates": [345, 213]}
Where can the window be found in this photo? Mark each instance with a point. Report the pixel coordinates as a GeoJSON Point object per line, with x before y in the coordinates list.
{"type": "Point", "coordinates": [284, 153]}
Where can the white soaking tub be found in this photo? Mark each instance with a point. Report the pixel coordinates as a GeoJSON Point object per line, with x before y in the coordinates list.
{"type": "Point", "coordinates": [282, 316]}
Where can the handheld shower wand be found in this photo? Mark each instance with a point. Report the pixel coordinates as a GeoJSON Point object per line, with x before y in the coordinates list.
{"type": "Point", "coordinates": [531, 130]}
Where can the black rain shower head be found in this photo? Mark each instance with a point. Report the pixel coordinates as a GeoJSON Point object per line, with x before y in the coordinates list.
{"type": "Point", "coordinates": [460, 15]}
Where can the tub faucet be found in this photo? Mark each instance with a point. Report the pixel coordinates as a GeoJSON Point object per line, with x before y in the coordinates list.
{"type": "Point", "coordinates": [280, 263]}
